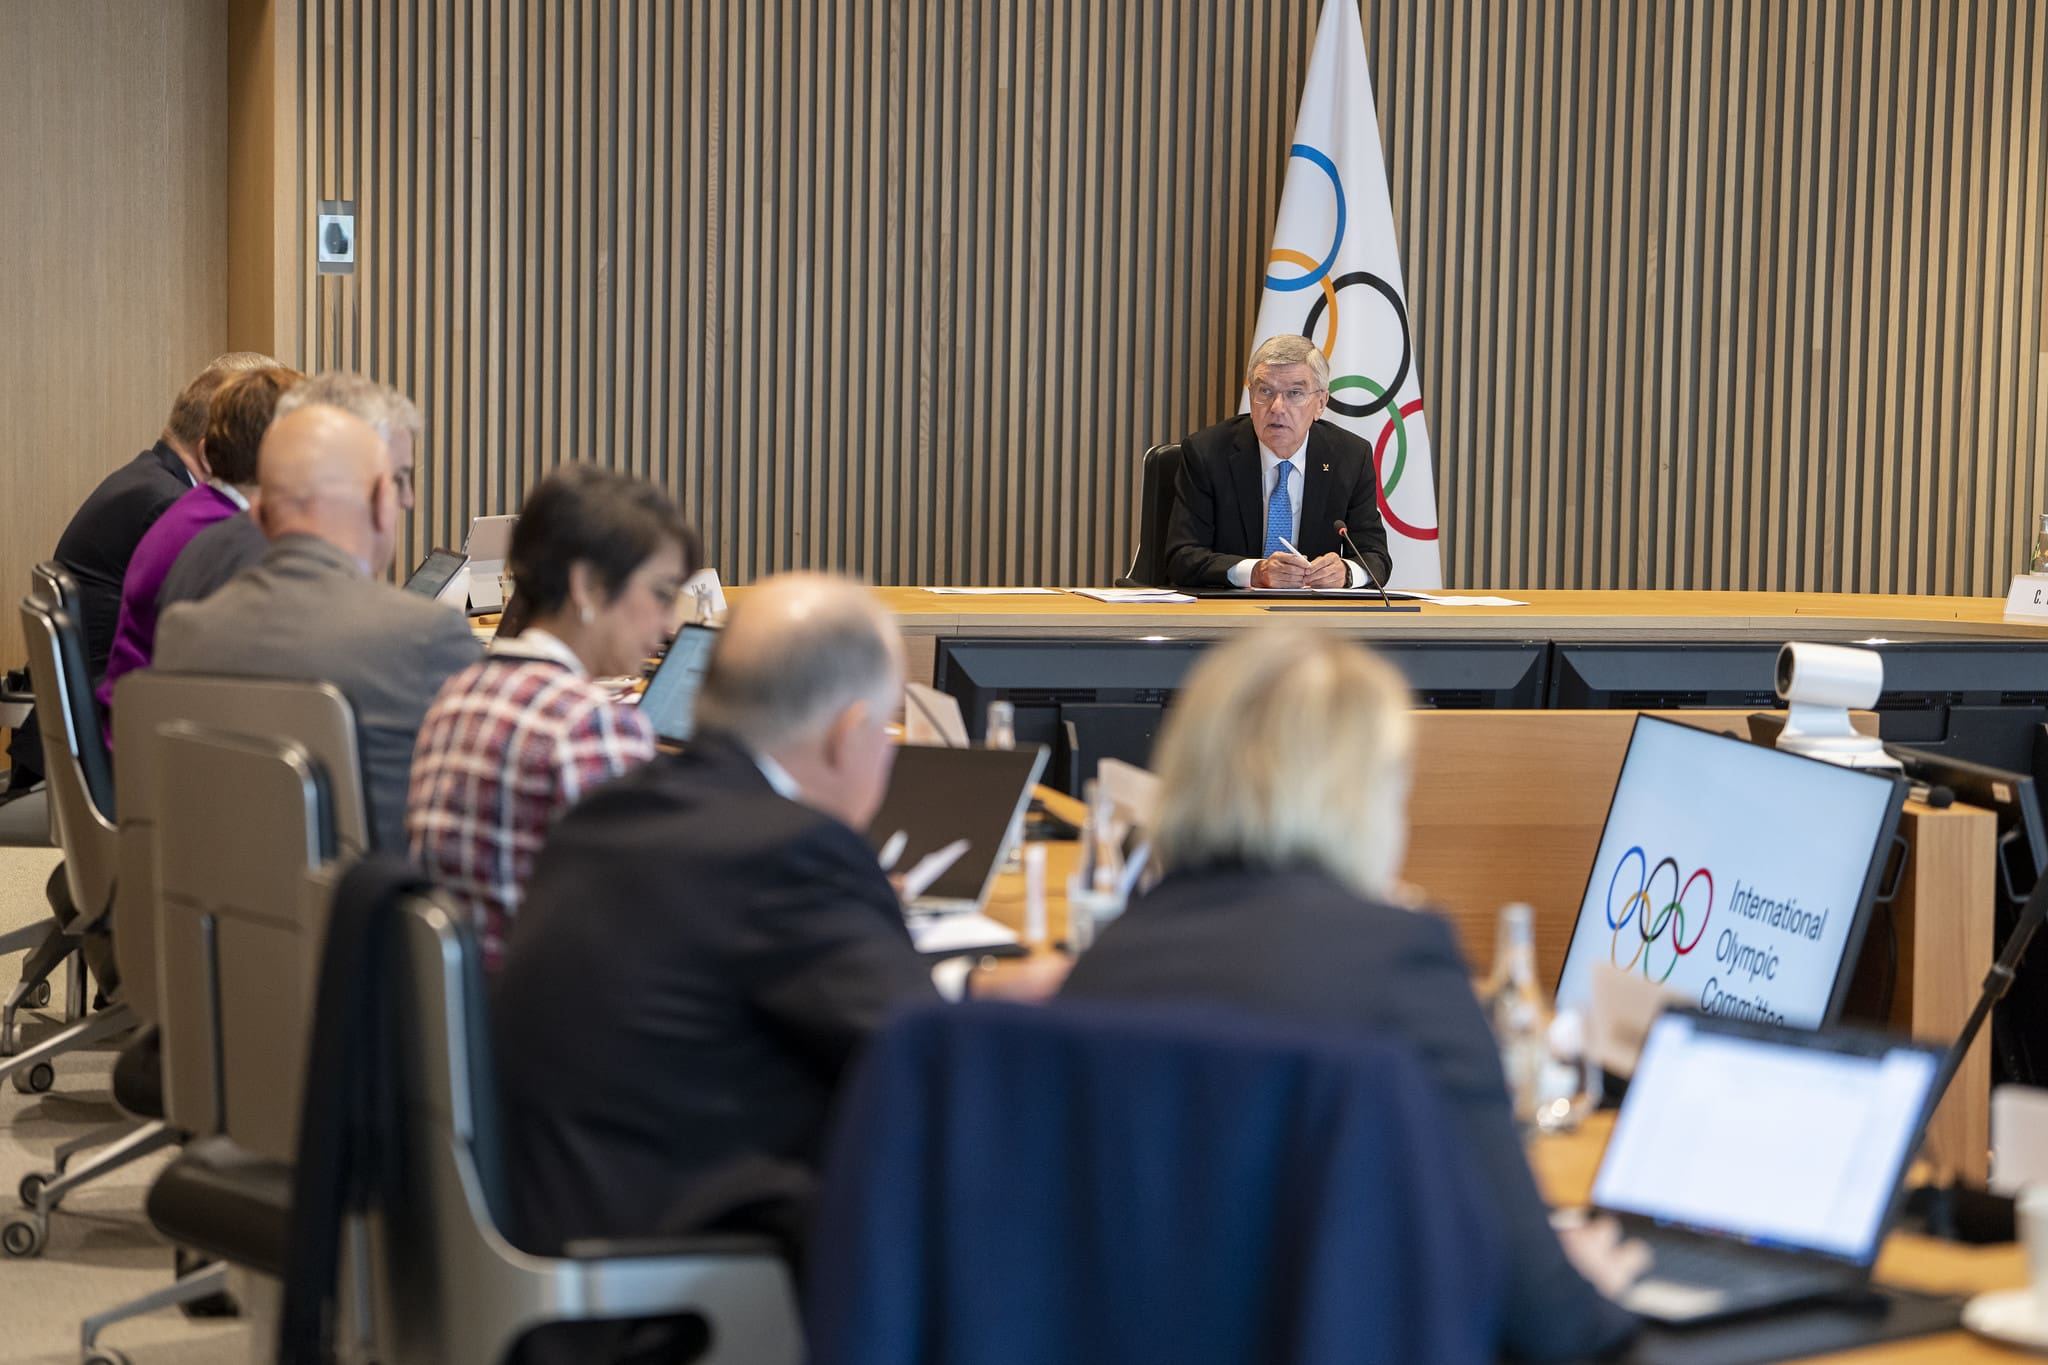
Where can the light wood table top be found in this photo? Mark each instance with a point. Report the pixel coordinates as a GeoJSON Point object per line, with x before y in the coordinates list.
{"type": "Point", "coordinates": [1771, 616]}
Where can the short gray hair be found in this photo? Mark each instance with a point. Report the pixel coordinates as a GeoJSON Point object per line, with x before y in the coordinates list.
{"type": "Point", "coordinates": [386, 409]}
{"type": "Point", "coordinates": [1289, 348]}
{"type": "Point", "coordinates": [1288, 746]}
{"type": "Point", "coordinates": [796, 651]}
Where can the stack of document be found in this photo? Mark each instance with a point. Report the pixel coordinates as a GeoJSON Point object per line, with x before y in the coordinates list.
{"type": "Point", "coordinates": [1124, 595]}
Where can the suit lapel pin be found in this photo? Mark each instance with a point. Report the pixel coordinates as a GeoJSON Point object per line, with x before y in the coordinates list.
{"type": "Point", "coordinates": [1326, 469]}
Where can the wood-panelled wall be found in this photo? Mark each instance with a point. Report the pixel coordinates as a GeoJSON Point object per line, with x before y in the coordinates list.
{"type": "Point", "coordinates": [1710, 293]}
{"type": "Point", "coordinates": [113, 172]}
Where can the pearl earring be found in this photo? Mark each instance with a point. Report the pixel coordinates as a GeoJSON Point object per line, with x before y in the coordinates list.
{"type": "Point", "coordinates": [588, 614]}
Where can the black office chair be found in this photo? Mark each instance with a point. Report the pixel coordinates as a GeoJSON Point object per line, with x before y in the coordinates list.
{"type": "Point", "coordinates": [1155, 509]}
{"type": "Point", "coordinates": [81, 790]}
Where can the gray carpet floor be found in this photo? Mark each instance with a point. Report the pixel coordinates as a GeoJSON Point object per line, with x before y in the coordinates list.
{"type": "Point", "coordinates": [101, 1249]}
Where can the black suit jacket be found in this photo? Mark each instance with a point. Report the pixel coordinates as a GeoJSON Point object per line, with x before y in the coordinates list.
{"type": "Point", "coordinates": [695, 965]}
{"type": "Point", "coordinates": [1294, 944]}
{"type": "Point", "coordinates": [103, 533]}
{"type": "Point", "coordinates": [1219, 507]}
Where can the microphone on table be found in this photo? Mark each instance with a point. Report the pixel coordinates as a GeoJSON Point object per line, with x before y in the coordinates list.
{"type": "Point", "coordinates": [1344, 534]}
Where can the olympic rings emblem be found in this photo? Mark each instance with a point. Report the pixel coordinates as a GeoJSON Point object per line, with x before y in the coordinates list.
{"type": "Point", "coordinates": [1652, 916]}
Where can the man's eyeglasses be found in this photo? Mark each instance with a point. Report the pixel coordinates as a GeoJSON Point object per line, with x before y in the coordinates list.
{"type": "Point", "coordinates": [1265, 395]}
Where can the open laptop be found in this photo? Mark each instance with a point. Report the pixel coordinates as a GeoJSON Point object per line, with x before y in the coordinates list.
{"type": "Point", "coordinates": [1762, 1165]}
{"type": "Point", "coordinates": [489, 543]}
{"type": "Point", "coordinates": [1735, 878]}
{"type": "Point", "coordinates": [939, 795]}
{"type": "Point", "coordinates": [670, 701]}
{"type": "Point", "coordinates": [436, 573]}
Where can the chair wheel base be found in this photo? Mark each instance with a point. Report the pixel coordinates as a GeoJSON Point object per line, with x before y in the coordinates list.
{"type": "Point", "coordinates": [39, 998]}
{"type": "Point", "coordinates": [24, 1237]}
{"type": "Point", "coordinates": [36, 1079]}
{"type": "Point", "coordinates": [30, 1187]}
{"type": "Point", "coordinates": [105, 1357]}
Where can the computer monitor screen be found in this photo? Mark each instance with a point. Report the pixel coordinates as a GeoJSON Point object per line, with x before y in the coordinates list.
{"type": "Point", "coordinates": [490, 538]}
{"type": "Point", "coordinates": [938, 795]}
{"type": "Point", "coordinates": [435, 572]}
{"type": "Point", "coordinates": [1797, 1142]}
{"type": "Point", "coordinates": [2019, 1022]}
{"type": "Point", "coordinates": [1041, 677]}
{"type": "Point", "coordinates": [1737, 877]}
{"type": "Point", "coordinates": [670, 701]}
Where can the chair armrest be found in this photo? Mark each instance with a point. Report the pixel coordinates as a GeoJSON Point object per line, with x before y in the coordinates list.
{"type": "Point", "coordinates": [754, 1288]}
{"type": "Point", "coordinates": [679, 1246]}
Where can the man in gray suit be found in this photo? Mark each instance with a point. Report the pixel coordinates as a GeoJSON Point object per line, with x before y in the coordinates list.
{"type": "Point", "coordinates": [313, 606]}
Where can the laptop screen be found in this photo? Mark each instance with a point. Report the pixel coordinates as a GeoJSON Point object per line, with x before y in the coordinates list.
{"type": "Point", "coordinates": [670, 701]}
{"type": "Point", "coordinates": [1736, 877]}
{"type": "Point", "coordinates": [1789, 1140]}
{"type": "Point", "coordinates": [937, 795]}
{"type": "Point", "coordinates": [435, 572]}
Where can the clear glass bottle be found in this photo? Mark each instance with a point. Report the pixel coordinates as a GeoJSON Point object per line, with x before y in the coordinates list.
{"type": "Point", "coordinates": [1001, 730]}
{"type": "Point", "coordinates": [1518, 1012]}
{"type": "Point", "coordinates": [1001, 733]}
{"type": "Point", "coordinates": [1093, 892]}
{"type": "Point", "coordinates": [2039, 564]}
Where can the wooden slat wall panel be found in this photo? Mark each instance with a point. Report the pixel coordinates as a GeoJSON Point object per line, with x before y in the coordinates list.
{"type": "Point", "coordinates": [1709, 293]}
{"type": "Point", "coordinates": [113, 264]}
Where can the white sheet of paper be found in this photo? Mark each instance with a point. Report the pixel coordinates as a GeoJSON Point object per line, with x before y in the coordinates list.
{"type": "Point", "coordinates": [994, 592]}
{"type": "Point", "coordinates": [1618, 1017]}
{"type": "Point", "coordinates": [1129, 595]}
{"type": "Point", "coordinates": [1454, 600]}
{"type": "Point", "coordinates": [1132, 791]}
{"type": "Point", "coordinates": [702, 598]}
{"type": "Point", "coordinates": [932, 717]}
{"type": "Point", "coordinates": [958, 934]}
{"type": "Point", "coordinates": [930, 868]}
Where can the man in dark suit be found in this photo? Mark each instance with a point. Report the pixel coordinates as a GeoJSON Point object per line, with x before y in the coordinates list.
{"type": "Point", "coordinates": [746, 940]}
{"type": "Point", "coordinates": [1276, 475]}
{"type": "Point", "coordinates": [314, 605]}
{"type": "Point", "coordinates": [1282, 822]}
{"type": "Point", "coordinates": [102, 534]}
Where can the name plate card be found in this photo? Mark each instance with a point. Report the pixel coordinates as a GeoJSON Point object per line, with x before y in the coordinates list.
{"type": "Point", "coordinates": [2028, 597]}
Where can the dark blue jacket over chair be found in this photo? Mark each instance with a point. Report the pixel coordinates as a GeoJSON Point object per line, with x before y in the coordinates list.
{"type": "Point", "coordinates": [1103, 1183]}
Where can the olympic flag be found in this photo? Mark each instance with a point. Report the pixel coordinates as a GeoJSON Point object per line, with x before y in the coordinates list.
{"type": "Point", "coordinates": [1334, 262]}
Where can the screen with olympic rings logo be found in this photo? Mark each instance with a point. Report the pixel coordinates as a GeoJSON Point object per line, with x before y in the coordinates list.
{"type": "Point", "coordinates": [1735, 878]}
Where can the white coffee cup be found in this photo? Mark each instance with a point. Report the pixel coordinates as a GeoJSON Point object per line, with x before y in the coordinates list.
{"type": "Point", "coordinates": [2032, 1209]}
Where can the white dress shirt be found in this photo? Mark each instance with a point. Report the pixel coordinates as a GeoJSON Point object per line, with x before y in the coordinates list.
{"type": "Point", "coordinates": [1240, 573]}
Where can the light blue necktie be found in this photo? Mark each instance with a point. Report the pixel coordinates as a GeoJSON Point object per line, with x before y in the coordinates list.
{"type": "Point", "coordinates": [1279, 514]}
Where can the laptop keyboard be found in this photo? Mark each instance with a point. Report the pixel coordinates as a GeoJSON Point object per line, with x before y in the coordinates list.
{"type": "Point", "coordinates": [1736, 1271]}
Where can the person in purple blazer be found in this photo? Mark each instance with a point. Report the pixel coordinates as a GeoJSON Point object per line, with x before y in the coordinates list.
{"type": "Point", "coordinates": [236, 419]}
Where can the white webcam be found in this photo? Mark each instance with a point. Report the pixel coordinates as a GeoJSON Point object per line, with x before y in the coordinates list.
{"type": "Point", "coordinates": [1820, 685]}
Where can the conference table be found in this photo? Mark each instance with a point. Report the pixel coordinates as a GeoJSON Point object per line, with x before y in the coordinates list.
{"type": "Point", "coordinates": [1564, 1167]}
{"type": "Point", "coordinates": [927, 616]}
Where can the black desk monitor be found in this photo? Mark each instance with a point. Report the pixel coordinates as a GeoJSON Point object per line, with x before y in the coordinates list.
{"type": "Point", "coordinates": [1740, 877]}
{"type": "Point", "coordinates": [2019, 1022]}
{"type": "Point", "coordinates": [670, 701]}
{"type": "Point", "coordinates": [435, 572]}
{"type": "Point", "coordinates": [1041, 677]}
{"type": "Point", "coordinates": [1093, 731]}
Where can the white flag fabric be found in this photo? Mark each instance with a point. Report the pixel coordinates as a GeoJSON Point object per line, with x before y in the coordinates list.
{"type": "Point", "coordinates": [1334, 276]}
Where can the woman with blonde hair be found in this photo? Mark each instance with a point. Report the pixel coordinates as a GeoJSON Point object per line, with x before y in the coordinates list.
{"type": "Point", "coordinates": [1284, 770]}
